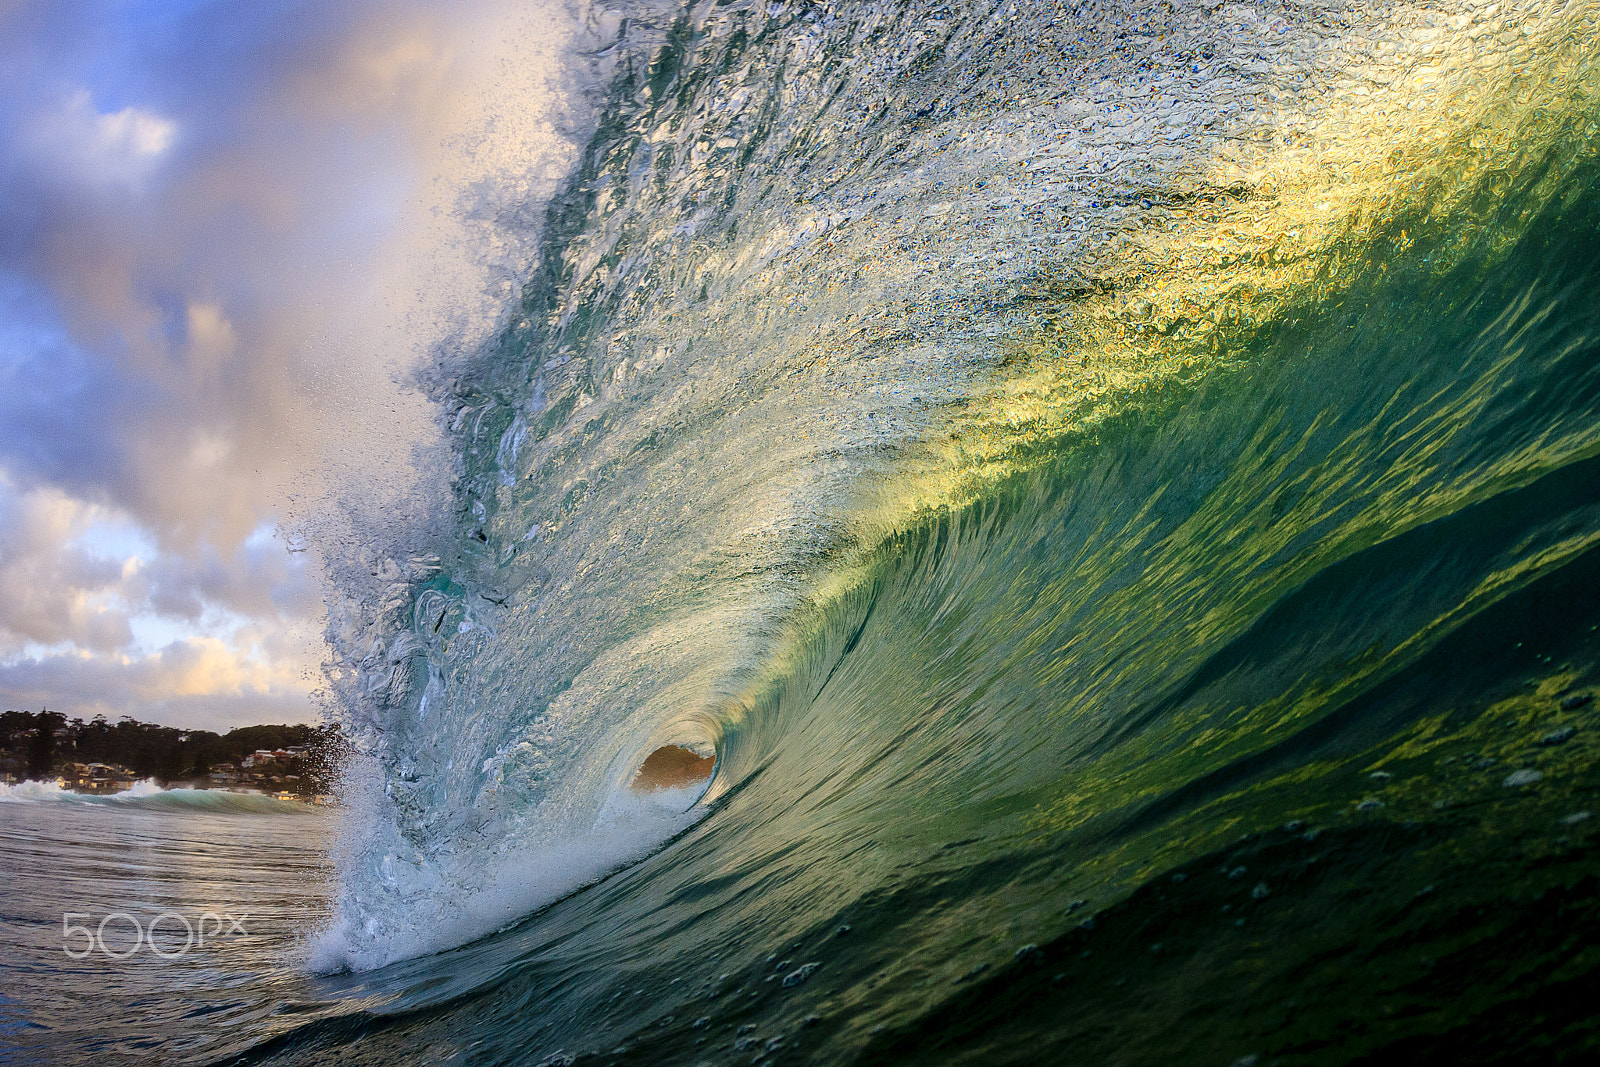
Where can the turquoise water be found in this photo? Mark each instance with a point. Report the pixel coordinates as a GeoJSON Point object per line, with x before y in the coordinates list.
{"type": "Point", "coordinates": [1117, 492]}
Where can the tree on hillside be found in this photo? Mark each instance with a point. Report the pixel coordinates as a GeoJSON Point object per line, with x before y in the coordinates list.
{"type": "Point", "coordinates": [42, 745]}
{"type": "Point", "coordinates": [40, 741]}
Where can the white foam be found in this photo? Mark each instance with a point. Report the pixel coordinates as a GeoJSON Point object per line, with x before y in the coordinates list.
{"type": "Point", "coordinates": [437, 915]}
{"type": "Point", "coordinates": [31, 792]}
{"type": "Point", "coordinates": [144, 787]}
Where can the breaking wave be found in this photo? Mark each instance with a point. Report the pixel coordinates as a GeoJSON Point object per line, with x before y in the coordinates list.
{"type": "Point", "coordinates": [1028, 447]}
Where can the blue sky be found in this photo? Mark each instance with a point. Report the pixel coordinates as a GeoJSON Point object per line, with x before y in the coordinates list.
{"type": "Point", "coordinates": [206, 209]}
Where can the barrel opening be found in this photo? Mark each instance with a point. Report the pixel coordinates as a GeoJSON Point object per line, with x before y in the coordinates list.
{"type": "Point", "coordinates": [672, 767]}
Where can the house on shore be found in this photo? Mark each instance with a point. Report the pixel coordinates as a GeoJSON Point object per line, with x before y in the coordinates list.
{"type": "Point", "coordinates": [96, 778]}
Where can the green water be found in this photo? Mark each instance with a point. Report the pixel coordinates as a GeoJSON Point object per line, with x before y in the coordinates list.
{"type": "Point", "coordinates": [1181, 652]}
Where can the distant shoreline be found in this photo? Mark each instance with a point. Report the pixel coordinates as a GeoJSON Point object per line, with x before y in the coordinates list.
{"type": "Point", "coordinates": [292, 761]}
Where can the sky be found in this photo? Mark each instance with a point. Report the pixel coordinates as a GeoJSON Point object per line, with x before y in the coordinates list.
{"type": "Point", "coordinates": [227, 230]}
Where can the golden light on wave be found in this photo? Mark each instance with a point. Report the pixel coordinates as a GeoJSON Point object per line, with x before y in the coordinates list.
{"type": "Point", "coordinates": [1321, 172]}
{"type": "Point", "coordinates": [1430, 112]}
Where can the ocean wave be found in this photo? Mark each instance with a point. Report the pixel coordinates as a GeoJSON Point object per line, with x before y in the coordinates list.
{"type": "Point", "coordinates": [1028, 453]}
{"type": "Point", "coordinates": [148, 794]}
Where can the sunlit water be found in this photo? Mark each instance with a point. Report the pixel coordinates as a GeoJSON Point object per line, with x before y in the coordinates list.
{"type": "Point", "coordinates": [1116, 489]}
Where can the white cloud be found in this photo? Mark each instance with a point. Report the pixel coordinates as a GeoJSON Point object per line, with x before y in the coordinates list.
{"type": "Point", "coordinates": [76, 140]}
{"type": "Point", "coordinates": [52, 591]}
{"type": "Point", "coordinates": [197, 683]}
{"type": "Point", "coordinates": [129, 134]}
{"type": "Point", "coordinates": [93, 615]}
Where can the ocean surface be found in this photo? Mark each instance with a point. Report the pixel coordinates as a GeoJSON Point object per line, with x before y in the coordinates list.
{"type": "Point", "coordinates": [154, 926]}
{"type": "Point", "coordinates": [1116, 488]}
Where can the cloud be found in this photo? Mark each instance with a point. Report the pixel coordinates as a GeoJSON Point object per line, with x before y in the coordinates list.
{"type": "Point", "coordinates": [215, 222]}
{"type": "Point", "coordinates": [95, 620]}
{"type": "Point", "coordinates": [75, 142]}
{"type": "Point", "coordinates": [202, 214]}
{"type": "Point", "coordinates": [183, 238]}
{"type": "Point", "coordinates": [257, 580]}
{"type": "Point", "coordinates": [51, 591]}
{"type": "Point", "coordinates": [190, 684]}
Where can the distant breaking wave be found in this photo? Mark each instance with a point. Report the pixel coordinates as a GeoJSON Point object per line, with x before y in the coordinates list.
{"type": "Point", "coordinates": [148, 794]}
